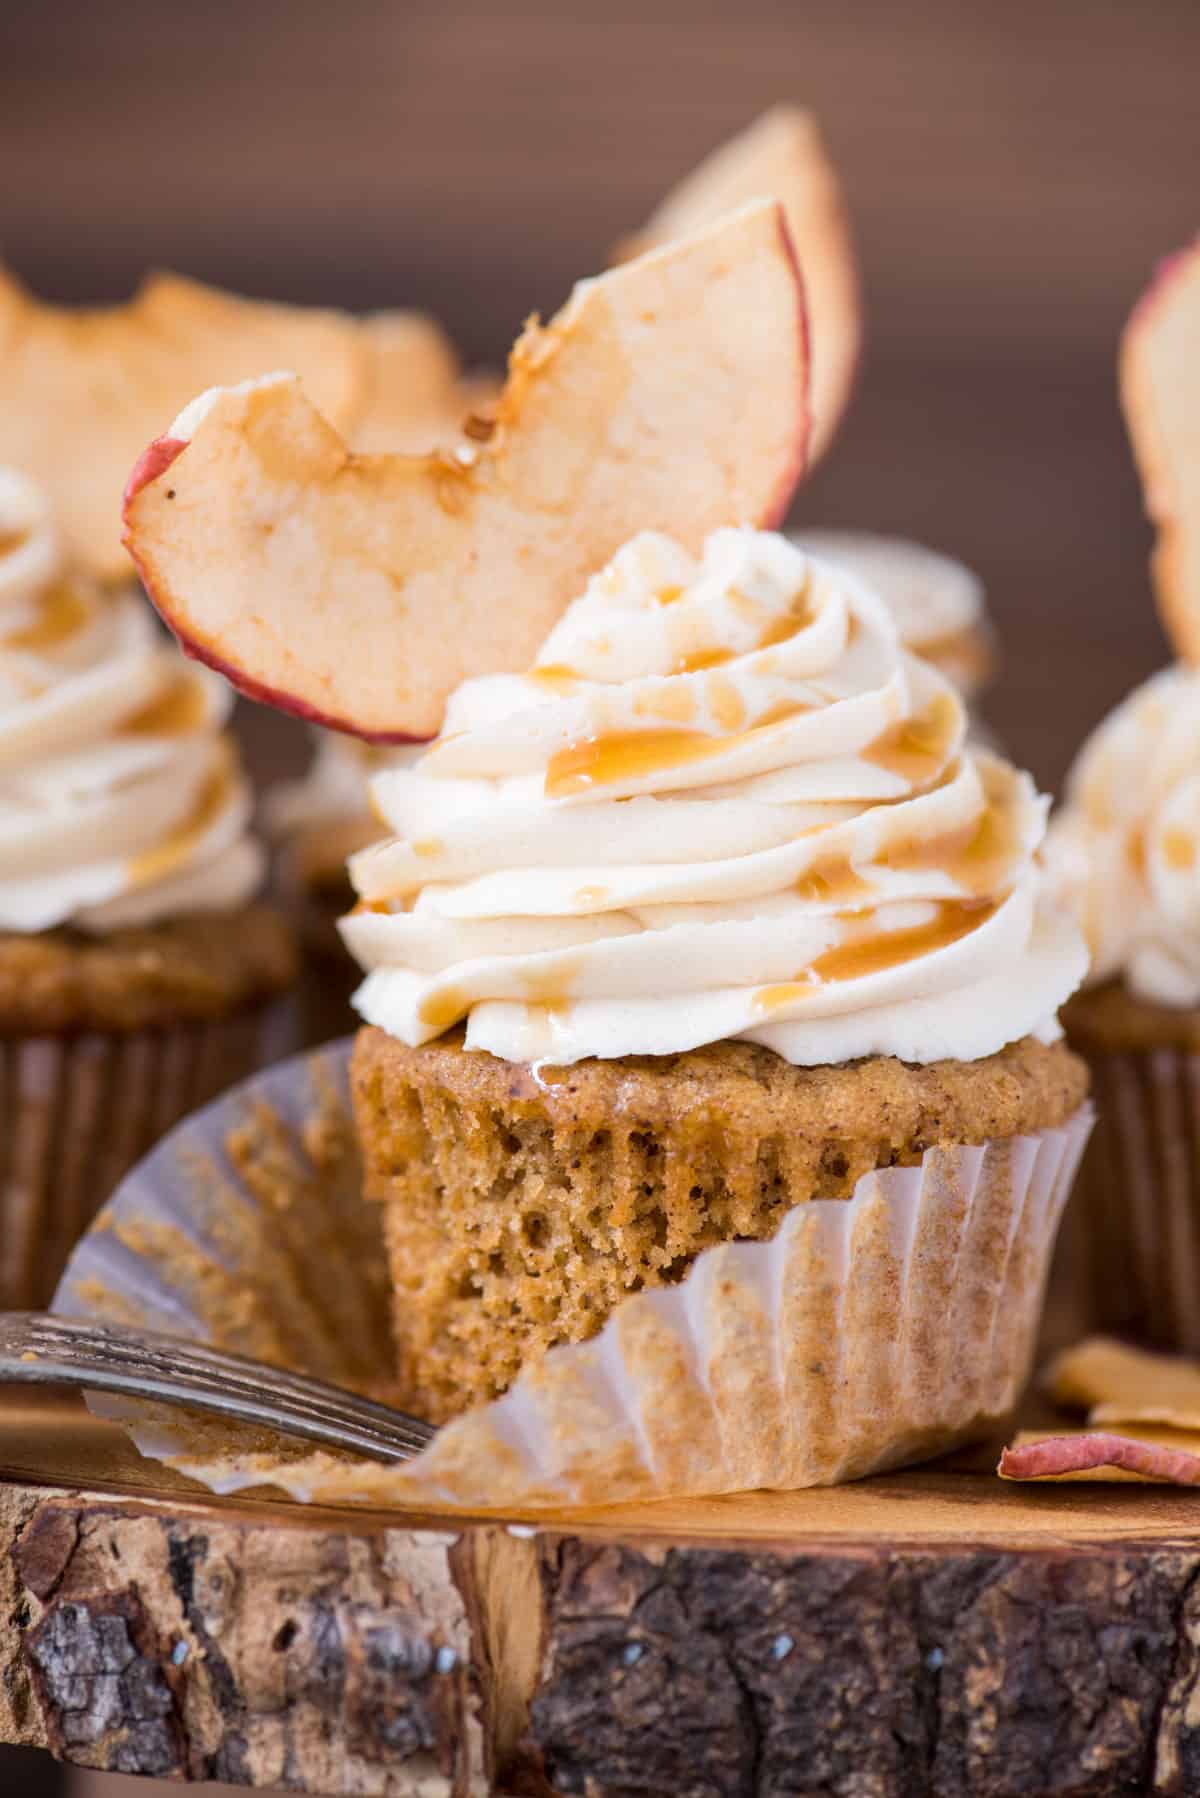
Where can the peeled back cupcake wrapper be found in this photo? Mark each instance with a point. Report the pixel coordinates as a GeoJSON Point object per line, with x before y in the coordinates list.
{"type": "Point", "coordinates": [77, 1112]}
{"type": "Point", "coordinates": [867, 1333]}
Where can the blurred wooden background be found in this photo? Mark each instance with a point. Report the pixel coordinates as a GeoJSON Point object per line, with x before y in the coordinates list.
{"type": "Point", "coordinates": [1013, 171]}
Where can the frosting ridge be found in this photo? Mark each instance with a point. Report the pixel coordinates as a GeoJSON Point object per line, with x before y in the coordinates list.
{"type": "Point", "coordinates": [1124, 851]}
{"type": "Point", "coordinates": [121, 800]}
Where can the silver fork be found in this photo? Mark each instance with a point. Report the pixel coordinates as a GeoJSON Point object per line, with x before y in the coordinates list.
{"type": "Point", "coordinates": [37, 1349]}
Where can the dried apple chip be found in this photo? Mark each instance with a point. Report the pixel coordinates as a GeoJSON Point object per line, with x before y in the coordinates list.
{"type": "Point", "coordinates": [1160, 394]}
{"type": "Point", "coordinates": [1163, 1456]}
{"type": "Point", "coordinates": [782, 154]}
{"type": "Point", "coordinates": [1116, 1384]}
{"type": "Point", "coordinates": [82, 390]}
{"type": "Point", "coordinates": [669, 394]}
{"type": "Point", "coordinates": [419, 397]}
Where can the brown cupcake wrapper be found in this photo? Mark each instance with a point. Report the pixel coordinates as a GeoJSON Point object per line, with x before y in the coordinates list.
{"type": "Point", "coordinates": [1129, 1260]}
{"type": "Point", "coordinates": [868, 1332]}
{"type": "Point", "coordinates": [77, 1112]}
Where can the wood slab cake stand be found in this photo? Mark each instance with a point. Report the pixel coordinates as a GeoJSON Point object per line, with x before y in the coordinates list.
{"type": "Point", "coordinates": [933, 1632]}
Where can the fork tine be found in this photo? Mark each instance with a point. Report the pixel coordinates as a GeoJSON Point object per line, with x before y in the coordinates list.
{"type": "Point", "coordinates": [35, 1347]}
{"type": "Point", "coordinates": [196, 1361]}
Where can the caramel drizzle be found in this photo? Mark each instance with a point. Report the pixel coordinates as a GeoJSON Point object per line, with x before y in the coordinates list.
{"type": "Point", "coordinates": [157, 863]}
{"type": "Point", "coordinates": [11, 541]}
{"type": "Point", "coordinates": [179, 709]}
{"type": "Point", "coordinates": [1179, 850]}
{"type": "Point", "coordinates": [877, 951]}
{"type": "Point", "coordinates": [545, 991]}
{"type": "Point", "coordinates": [62, 611]}
{"type": "Point", "coordinates": [916, 748]}
{"type": "Point", "coordinates": [619, 756]}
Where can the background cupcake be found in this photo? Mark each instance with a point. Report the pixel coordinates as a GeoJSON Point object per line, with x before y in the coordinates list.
{"type": "Point", "coordinates": [1124, 852]}
{"type": "Point", "coordinates": [136, 975]}
{"type": "Point", "coordinates": [937, 604]}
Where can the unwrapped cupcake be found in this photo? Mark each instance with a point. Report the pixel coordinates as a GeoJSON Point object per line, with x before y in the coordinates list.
{"type": "Point", "coordinates": [711, 1086]}
{"type": "Point", "coordinates": [136, 974]}
{"type": "Point", "coordinates": [1124, 852]}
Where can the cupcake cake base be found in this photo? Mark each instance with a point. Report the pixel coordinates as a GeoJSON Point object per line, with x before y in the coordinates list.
{"type": "Point", "coordinates": [521, 1206]}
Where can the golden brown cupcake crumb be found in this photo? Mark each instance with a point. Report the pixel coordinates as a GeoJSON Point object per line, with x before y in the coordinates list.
{"type": "Point", "coordinates": [1110, 1019]}
{"type": "Point", "coordinates": [187, 970]}
{"type": "Point", "coordinates": [520, 1211]}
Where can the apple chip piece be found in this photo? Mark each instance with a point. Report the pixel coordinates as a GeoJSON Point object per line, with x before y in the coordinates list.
{"type": "Point", "coordinates": [1170, 1456]}
{"type": "Point", "coordinates": [419, 399]}
{"type": "Point", "coordinates": [1116, 1384]}
{"type": "Point", "coordinates": [358, 591]}
{"type": "Point", "coordinates": [782, 154]}
{"type": "Point", "coordinates": [1160, 394]}
{"type": "Point", "coordinates": [81, 391]}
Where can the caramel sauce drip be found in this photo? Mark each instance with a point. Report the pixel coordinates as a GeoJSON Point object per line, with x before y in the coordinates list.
{"type": "Point", "coordinates": [834, 884]}
{"type": "Point", "coordinates": [555, 676]}
{"type": "Point", "coordinates": [1179, 850]}
{"type": "Point", "coordinates": [700, 659]}
{"type": "Point", "coordinates": [916, 748]}
{"type": "Point", "coordinates": [619, 756]}
{"type": "Point", "coordinates": [179, 709]}
{"type": "Point", "coordinates": [878, 951]}
{"type": "Point", "coordinates": [547, 991]}
{"type": "Point", "coordinates": [165, 858]}
{"type": "Point", "coordinates": [11, 541]}
{"type": "Point", "coordinates": [976, 857]}
{"type": "Point", "coordinates": [61, 612]}
{"type": "Point", "coordinates": [778, 631]}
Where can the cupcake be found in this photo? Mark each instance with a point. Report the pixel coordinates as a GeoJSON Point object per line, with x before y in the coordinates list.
{"type": "Point", "coordinates": [137, 979]}
{"type": "Point", "coordinates": [937, 604]}
{"type": "Point", "coordinates": [1124, 854]}
{"type": "Point", "coordinates": [710, 1086]}
{"type": "Point", "coordinates": [655, 957]}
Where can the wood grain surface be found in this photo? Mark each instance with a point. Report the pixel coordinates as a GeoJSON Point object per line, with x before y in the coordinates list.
{"type": "Point", "coordinates": [928, 1634]}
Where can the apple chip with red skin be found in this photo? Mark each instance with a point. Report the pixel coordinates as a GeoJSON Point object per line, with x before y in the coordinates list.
{"type": "Point", "coordinates": [82, 389]}
{"type": "Point", "coordinates": [1164, 1456]}
{"type": "Point", "coordinates": [783, 155]}
{"type": "Point", "coordinates": [1160, 394]}
{"type": "Point", "coordinates": [358, 591]}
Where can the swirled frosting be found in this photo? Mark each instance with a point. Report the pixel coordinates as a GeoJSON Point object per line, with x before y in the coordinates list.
{"type": "Point", "coordinates": [1124, 851]}
{"type": "Point", "coordinates": [121, 801]}
{"type": "Point", "coordinates": [936, 603]}
{"type": "Point", "coordinates": [723, 803]}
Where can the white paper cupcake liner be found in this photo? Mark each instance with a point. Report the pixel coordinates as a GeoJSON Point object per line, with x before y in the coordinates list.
{"type": "Point", "coordinates": [867, 1333]}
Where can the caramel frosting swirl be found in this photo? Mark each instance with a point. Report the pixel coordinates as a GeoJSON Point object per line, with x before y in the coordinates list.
{"type": "Point", "coordinates": [723, 803]}
{"type": "Point", "coordinates": [1124, 852]}
{"type": "Point", "coordinates": [121, 801]}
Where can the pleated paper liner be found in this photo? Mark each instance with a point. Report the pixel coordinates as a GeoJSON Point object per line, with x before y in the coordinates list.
{"type": "Point", "coordinates": [868, 1333]}
{"type": "Point", "coordinates": [77, 1112]}
{"type": "Point", "coordinates": [1129, 1261]}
